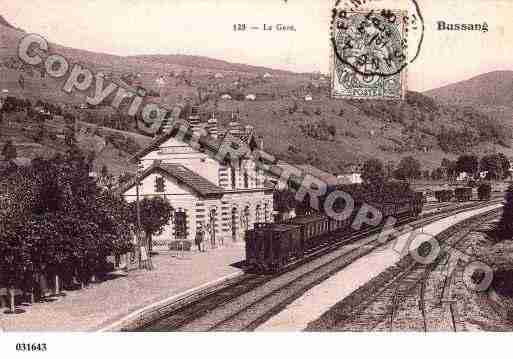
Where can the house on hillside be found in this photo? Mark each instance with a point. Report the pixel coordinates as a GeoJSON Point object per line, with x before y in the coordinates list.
{"type": "Point", "coordinates": [349, 178]}
{"type": "Point", "coordinates": [462, 176]}
{"type": "Point", "coordinates": [251, 97]}
{"type": "Point", "coordinates": [226, 97]}
{"type": "Point", "coordinates": [308, 97]}
{"type": "Point", "coordinates": [352, 174]}
{"type": "Point", "coordinates": [324, 176]}
{"type": "Point", "coordinates": [224, 199]}
{"type": "Point", "coordinates": [218, 75]}
{"type": "Point", "coordinates": [267, 75]}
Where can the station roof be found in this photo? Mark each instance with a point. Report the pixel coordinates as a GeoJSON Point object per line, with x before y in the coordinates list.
{"type": "Point", "coordinates": [182, 174]}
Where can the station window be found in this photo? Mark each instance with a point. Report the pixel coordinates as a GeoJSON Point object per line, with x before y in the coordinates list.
{"type": "Point", "coordinates": [160, 184]}
{"type": "Point", "coordinates": [234, 179]}
{"type": "Point", "coordinates": [180, 224]}
{"type": "Point", "coordinates": [258, 214]}
{"type": "Point", "coordinates": [257, 178]}
{"type": "Point", "coordinates": [246, 180]}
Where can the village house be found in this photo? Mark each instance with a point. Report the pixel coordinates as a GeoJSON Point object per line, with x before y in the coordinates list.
{"type": "Point", "coordinates": [223, 199]}
{"type": "Point", "coordinates": [352, 174]}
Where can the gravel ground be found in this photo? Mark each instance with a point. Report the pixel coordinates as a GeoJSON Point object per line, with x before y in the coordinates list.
{"type": "Point", "coordinates": [448, 305]}
{"type": "Point", "coordinates": [319, 308]}
{"type": "Point", "coordinates": [103, 303]}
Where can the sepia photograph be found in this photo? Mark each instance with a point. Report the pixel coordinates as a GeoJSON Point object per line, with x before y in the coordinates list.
{"type": "Point", "coordinates": [310, 173]}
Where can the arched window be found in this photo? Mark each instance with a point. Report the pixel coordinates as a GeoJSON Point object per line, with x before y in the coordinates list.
{"type": "Point", "coordinates": [160, 184]}
{"type": "Point", "coordinates": [245, 218]}
{"type": "Point", "coordinates": [233, 178]}
{"type": "Point", "coordinates": [266, 211]}
{"type": "Point", "coordinates": [257, 177]}
{"type": "Point", "coordinates": [258, 214]}
{"type": "Point", "coordinates": [212, 224]}
{"type": "Point", "coordinates": [234, 223]}
{"type": "Point", "coordinates": [180, 224]}
{"type": "Point", "coordinates": [246, 180]}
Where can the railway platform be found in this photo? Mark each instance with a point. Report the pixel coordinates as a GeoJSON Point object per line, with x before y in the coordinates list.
{"type": "Point", "coordinates": [105, 305]}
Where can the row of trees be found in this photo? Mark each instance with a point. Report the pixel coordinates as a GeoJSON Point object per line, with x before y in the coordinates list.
{"type": "Point", "coordinates": [374, 171]}
{"type": "Point", "coordinates": [56, 221]}
{"type": "Point", "coordinates": [496, 167]}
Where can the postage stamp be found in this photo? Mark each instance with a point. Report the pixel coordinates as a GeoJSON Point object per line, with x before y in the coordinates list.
{"type": "Point", "coordinates": [369, 54]}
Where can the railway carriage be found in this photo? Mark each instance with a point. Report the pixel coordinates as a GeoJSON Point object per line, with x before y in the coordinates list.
{"type": "Point", "coordinates": [312, 229]}
{"type": "Point", "coordinates": [463, 194]}
{"type": "Point", "coordinates": [270, 246]}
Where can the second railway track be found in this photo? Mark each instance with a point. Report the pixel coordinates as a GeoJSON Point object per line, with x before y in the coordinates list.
{"type": "Point", "coordinates": [410, 297]}
{"type": "Point", "coordinates": [245, 303]}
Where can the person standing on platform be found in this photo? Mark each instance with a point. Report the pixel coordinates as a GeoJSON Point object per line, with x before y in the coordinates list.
{"type": "Point", "coordinates": [199, 238]}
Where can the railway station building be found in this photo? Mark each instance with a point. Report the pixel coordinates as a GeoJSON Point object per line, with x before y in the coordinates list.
{"type": "Point", "coordinates": [222, 199]}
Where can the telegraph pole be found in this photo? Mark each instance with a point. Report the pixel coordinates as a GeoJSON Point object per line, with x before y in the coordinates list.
{"type": "Point", "coordinates": [138, 209]}
{"type": "Point", "coordinates": [138, 214]}
{"type": "Point", "coordinates": [144, 254]}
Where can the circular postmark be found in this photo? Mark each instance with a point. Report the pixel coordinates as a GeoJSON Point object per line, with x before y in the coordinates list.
{"type": "Point", "coordinates": [372, 43]}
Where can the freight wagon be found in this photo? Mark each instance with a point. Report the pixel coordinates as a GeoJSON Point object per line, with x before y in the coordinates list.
{"type": "Point", "coordinates": [271, 246]}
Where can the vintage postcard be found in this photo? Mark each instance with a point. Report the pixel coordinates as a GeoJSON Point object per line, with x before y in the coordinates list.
{"type": "Point", "coordinates": [254, 166]}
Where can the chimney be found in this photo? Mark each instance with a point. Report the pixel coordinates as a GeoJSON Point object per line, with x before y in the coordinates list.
{"type": "Point", "coordinates": [234, 129]}
{"type": "Point", "coordinates": [248, 129]}
{"type": "Point", "coordinates": [194, 119]}
{"type": "Point", "coordinates": [212, 126]}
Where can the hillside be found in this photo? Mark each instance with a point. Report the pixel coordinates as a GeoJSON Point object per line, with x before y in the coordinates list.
{"type": "Point", "coordinates": [329, 134]}
{"type": "Point", "coordinates": [490, 89]}
{"type": "Point", "coordinates": [491, 93]}
{"type": "Point", "coordinates": [205, 63]}
{"type": "Point", "coordinates": [4, 22]}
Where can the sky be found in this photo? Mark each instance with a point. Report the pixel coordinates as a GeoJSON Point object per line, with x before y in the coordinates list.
{"type": "Point", "coordinates": [205, 28]}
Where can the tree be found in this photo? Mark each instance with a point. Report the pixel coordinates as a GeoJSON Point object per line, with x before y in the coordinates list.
{"type": "Point", "coordinates": [505, 226]}
{"type": "Point", "coordinates": [467, 163]}
{"type": "Point", "coordinates": [491, 164]}
{"type": "Point", "coordinates": [408, 169]}
{"type": "Point", "coordinates": [41, 133]}
{"type": "Point", "coordinates": [284, 201]}
{"type": "Point", "coordinates": [9, 151]}
{"type": "Point", "coordinates": [484, 191]}
{"type": "Point", "coordinates": [91, 156]}
{"type": "Point", "coordinates": [104, 171]}
{"type": "Point", "coordinates": [70, 138]}
{"type": "Point", "coordinates": [448, 167]}
{"type": "Point", "coordinates": [155, 213]}
{"type": "Point", "coordinates": [437, 174]}
{"type": "Point", "coordinates": [389, 169]}
{"type": "Point", "coordinates": [373, 173]}
{"type": "Point", "coordinates": [125, 177]}
{"type": "Point", "coordinates": [56, 221]}
{"type": "Point", "coordinates": [504, 164]}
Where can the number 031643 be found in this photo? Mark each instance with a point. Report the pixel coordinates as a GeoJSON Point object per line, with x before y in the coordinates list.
{"type": "Point", "coordinates": [31, 347]}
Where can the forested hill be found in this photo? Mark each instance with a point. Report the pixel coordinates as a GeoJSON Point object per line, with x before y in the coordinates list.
{"type": "Point", "coordinates": [292, 112]}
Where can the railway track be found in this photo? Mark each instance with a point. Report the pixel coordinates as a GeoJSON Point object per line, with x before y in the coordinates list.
{"type": "Point", "coordinates": [246, 302]}
{"type": "Point", "coordinates": [410, 297]}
